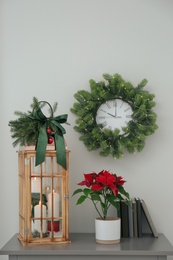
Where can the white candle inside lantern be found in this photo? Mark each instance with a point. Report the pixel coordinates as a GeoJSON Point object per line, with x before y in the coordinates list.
{"type": "Point", "coordinates": [47, 191]}
{"type": "Point", "coordinates": [35, 185]}
{"type": "Point", "coordinates": [55, 205]}
{"type": "Point", "coordinates": [37, 214]}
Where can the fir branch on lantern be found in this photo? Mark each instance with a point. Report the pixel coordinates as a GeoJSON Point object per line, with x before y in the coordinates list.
{"type": "Point", "coordinates": [34, 128]}
{"type": "Point", "coordinates": [141, 125]}
{"type": "Point", "coordinates": [25, 130]}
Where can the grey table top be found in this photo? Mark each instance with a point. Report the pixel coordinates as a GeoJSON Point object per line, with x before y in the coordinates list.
{"type": "Point", "coordinates": [84, 244]}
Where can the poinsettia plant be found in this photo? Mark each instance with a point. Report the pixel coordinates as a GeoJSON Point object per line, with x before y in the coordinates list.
{"type": "Point", "coordinates": [103, 189]}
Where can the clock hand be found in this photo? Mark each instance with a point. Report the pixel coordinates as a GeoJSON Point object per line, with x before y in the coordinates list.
{"type": "Point", "coordinates": [111, 115]}
{"type": "Point", "coordinates": [107, 113]}
{"type": "Point", "coordinates": [114, 116]}
{"type": "Point", "coordinates": [116, 108]}
{"type": "Point", "coordinates": [103, 111]}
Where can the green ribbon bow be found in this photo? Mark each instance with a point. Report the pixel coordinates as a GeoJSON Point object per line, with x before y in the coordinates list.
{"type": "Point", "coordinates": [41, 144]}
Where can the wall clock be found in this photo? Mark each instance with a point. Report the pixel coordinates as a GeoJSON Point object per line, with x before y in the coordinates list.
{"type": "Point", "coordinates": [114, 113]}
{"type": "Point", "coordinates": [115, 116]}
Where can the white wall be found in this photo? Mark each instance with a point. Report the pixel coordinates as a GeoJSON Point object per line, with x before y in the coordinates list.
{"type": "Point", "coordinates": [50, 49]}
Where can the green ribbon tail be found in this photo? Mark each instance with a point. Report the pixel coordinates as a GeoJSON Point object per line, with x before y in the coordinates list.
{"type": "Point", "coordinates": [60, 150]}
{"type": "Point", "coordinates": [41, 145]}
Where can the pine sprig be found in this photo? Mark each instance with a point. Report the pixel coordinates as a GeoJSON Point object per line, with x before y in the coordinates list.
{"type": "Point", "coordinates": [143, 121]}
{"type": "Point", "coordinates": [24, 130]}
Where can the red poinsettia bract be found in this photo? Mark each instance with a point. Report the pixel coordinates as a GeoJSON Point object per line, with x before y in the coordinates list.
{"type": "Point", "coordinates": [102, 180]}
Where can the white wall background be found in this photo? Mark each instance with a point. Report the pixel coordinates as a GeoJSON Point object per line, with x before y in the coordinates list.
{"type": "Point", "coordinates": [50, 49]}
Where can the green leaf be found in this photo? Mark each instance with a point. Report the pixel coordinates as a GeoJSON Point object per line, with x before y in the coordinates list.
{"type": "Point", "coordinates": [77, 191]}
{"type": "Point", "coordinates": [86, 192]}
{"type": "Point", "coordinates": [113, 201]}
{"type": "Point", "coordinates": [81, 199]}
{"type": "Point", "coordinates": [115, 204]}
{"type": "Point", "coordinates": [103, 205]}
{"type": "Point", "coordinates": [95, 196]}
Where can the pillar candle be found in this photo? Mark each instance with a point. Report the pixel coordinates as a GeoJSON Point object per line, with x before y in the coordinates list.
{"type": "Point", "coordinates": [37, 214]}
{"type": "Point", "coordinates": [35, 185]}
{"type": "Point", "coordinates": [47, 190]}
{"type": "Point", "coordinates": [55, 205]}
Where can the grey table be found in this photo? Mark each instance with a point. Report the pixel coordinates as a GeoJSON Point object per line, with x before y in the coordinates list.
{"type": "Point", "coordinates": [84, 247]}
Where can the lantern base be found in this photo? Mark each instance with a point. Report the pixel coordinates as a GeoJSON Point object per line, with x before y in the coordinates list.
{"type": "Point", "coordinates": [36, 242]}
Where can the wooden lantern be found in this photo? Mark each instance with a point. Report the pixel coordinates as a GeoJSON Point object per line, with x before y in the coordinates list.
{"type": "Point", "coordinates": [43, 199]}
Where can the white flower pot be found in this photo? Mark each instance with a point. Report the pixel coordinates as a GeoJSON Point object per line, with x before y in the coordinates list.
{"type": "Point", "coordinates": [107, 231]}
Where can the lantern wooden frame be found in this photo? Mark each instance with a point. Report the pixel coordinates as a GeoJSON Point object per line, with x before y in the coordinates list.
{"type": "Point", "coordinates": [49, 171]}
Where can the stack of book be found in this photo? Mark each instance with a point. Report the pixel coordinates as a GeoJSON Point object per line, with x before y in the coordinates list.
{"type": "Point", "coordinates": [135, 219]}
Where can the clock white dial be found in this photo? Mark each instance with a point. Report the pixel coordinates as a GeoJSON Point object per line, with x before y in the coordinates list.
{"type": "Point", "coordinates": [114, 113]}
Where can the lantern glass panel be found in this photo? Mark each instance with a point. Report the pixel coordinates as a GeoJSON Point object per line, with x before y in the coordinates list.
{"type": "Point", "coordinates": [46, 190]}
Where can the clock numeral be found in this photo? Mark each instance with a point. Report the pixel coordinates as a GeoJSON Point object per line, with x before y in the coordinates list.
{"type": "Point", "coordinates": [115, 103]}
{"type": "Point", "coordinates": [108, 105]}
{"type": "Point", "coordinates": [101, 117]}
{"type": "Point", "coordinates": [121, 104]}
{"type": "Point", "coordinates": [104, 124]}
{"type": "Point", "coordinates": [128, 116]}
{"type": "Point", "coordinates": [126, 109]}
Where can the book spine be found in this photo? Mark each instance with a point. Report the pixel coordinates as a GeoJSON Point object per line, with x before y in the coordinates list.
{"type": "Point", "coordinates": [119, 216]}
{"type": "Point", "coordinates": [124, 219]}
{"type": "Point", "coordinates": [148, 218]}
{"type": "Point", "coordinates": [130, 213]}
{"type": "Point", "coordinates": [139, 217]}
{"type": "Point", "coordinates": [135, 225]}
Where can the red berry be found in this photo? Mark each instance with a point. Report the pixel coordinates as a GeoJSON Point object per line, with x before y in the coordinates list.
{"type": "Point", "coordinates": [49, 130]}
{"type": "Point", "coordinates": [50, 140]}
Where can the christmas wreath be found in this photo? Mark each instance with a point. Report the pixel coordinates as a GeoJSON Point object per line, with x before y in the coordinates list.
{"type": "Point", "coordinates": [141, 125]}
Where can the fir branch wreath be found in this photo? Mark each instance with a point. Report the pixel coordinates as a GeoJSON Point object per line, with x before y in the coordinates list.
{"type": "Point", "coordinates": [141, 125]}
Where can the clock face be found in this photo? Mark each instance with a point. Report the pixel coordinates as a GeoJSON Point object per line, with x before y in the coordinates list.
{"type": "Point", "coordinates": [114, 113]}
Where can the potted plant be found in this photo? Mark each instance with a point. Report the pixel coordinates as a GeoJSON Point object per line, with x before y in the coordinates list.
{"type": "Point", "coordinates": [104, 189]}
